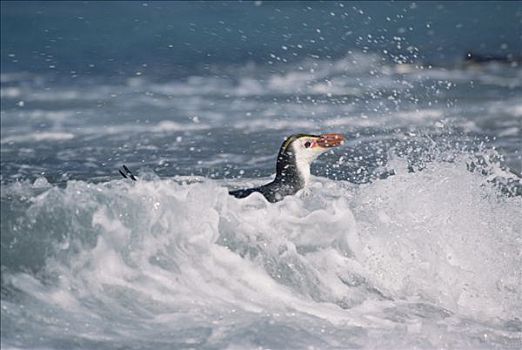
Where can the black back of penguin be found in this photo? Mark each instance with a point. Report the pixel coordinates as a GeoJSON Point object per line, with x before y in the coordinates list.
{"type": "Point", "coordinates": [287, 181]}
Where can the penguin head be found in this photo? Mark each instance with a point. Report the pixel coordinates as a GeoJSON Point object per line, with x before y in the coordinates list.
{"type": "Point", "coordinates": [299, 151]}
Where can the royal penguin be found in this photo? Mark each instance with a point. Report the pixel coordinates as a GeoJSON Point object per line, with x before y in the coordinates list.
{"type": "Point", "coordinates": [293, 165]}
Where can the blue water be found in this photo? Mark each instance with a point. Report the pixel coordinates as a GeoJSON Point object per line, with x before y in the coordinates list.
{"type": "Point", "coordinates": [408, 237]}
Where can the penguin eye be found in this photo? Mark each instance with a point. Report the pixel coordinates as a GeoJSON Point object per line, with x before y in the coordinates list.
{"type": "Point", "coordinates": [307, 144]}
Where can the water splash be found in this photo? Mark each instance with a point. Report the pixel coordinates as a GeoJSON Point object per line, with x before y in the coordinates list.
{"type": "Point", "coordinates": [435, 248]}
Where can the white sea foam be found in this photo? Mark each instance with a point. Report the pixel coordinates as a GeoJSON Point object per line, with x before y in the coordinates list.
{"type": "Point", "coordinates": [169, 126]}
{"type": "Point", "coordinates": [39, 136]}
{"type": "Point", "coordinates": [419, 258]}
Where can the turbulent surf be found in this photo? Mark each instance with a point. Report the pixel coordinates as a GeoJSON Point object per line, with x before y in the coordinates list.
{"type": "Point", "coordinates": [406, 236]}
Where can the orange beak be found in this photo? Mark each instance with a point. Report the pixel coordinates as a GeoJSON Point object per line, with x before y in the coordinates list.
{"type": "Point", "coordinates": [330, 140]}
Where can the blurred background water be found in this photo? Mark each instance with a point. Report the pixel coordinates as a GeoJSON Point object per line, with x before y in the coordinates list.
{"type": "Point", "coordinates": [410, 236]}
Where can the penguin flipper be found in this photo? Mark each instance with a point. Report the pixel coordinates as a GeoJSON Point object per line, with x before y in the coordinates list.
{"type": "Point", "coordinates": [126, 173]}
{"type": "Point", "coordinates": [243, 192]}
{"type": "Point", "coordinates": [271, 194]}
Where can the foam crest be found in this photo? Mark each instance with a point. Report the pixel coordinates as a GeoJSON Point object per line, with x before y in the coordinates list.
{"type": "Point", "coordinates": [443, 239]}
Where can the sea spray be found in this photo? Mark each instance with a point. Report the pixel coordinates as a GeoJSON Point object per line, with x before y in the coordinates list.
{"type": "Point", "coordinates": [441, 245]}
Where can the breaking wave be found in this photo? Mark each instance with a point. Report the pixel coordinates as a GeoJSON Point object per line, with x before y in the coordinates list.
{"type": "Point", "coordinates": [428, 259]}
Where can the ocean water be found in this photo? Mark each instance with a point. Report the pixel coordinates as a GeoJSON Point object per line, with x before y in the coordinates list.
{"type": "Point", "coordinates": [410, 235]}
